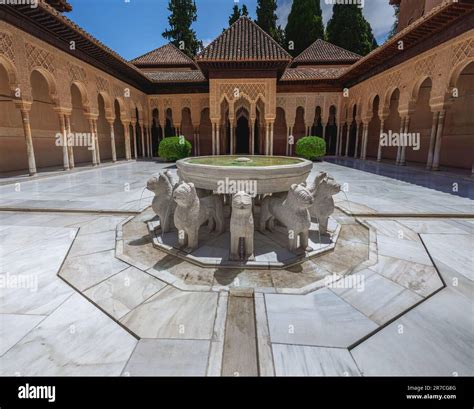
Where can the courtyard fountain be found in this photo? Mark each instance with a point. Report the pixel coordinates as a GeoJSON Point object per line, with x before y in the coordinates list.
{"type": "Point", "coordinates": [254, 211]}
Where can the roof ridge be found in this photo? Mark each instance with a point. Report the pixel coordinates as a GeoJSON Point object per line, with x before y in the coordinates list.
{"type": "Point", "coordinates": [232, 26]}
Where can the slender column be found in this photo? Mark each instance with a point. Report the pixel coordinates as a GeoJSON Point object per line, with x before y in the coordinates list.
{"type": "Point", "coordinates": [128, 148]}
{"type": "Point", "coordinates": [30, 152]}
{"type": "Point", "coordinates": [198, 142]}
{"type": "Point", "coordinates": [64, 144]}
{"type": "Point", "coordinates": [135, 137]}
{"type": "Point", "coordinates": [434, 127]}
{"type": "Point", "coordinates": [267, 136]}
{"type": "Point", "coordinates": [399, 149]}
{"type": "Point", "coordinates": [379, 152]}
{"type": "Point", "coordinates": [213, 138]}
{"type": "Point", "coordinates": [70, 147]}
{"type": "Point", "coordinates": [357, 139]}
{"type": "Point", "coordinates": [92, 129]}
{"type": "Point", "coordinates": [287, 141]}
{"type": "Point", "coordinates": [149, 142]}
{"type": "Point", "coordinates": [365, 134]}
{"type": "Point", "coordinates": [112, 140]}
{"type": "Point", "coordinates": [270, 152]}
{"type": "Point", "coordinates": [439, 138]}
{"type": "Point", "coordinates": [339, 140]}
{"type": "Point", "coordinates": [347, 139]}
{"type": "Point", "coordinates": [231, 148]}
{"type": "Point", "coordinates": [324, 133]}
{"type": "Point", "coordinates": [218, 142]}
{"type": "Point", "coordinates": [252, 136]}
{"type": "Point", "coordinates": [405, 139]}
{"type": "Point", "coordinates": [97, 149]}
{"type": "Point", "coordinates": [142, 139]}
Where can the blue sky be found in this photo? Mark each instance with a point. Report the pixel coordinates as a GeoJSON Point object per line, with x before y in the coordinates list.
{"type": "Point", "coordinates": [134, 27]}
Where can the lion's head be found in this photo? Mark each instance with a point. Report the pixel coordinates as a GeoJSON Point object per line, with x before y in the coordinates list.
{"type": "Point", "coordinates": [328, 187]}
{"type": "Point", "coordinates": [160, 184]}
{"type": "Point", "coordinates": [241, 201]}
{"type": "Point", "coordinates": [185, 194]}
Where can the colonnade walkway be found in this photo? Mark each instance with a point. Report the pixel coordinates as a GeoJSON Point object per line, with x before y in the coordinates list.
{"type": "Point", "coordinates": [459, 182]}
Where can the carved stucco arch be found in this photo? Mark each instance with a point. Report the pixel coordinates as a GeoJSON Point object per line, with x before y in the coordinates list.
{"type": "Point", "coordinates": [86, 103]}
{"type": "Point", "coordinates": [50, 80]}
{"type": "Point", "coordinates": [11, 73]}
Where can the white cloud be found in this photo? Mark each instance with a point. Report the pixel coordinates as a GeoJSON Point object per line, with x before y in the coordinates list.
{"type": "Point", "coordinates": [379, 13]}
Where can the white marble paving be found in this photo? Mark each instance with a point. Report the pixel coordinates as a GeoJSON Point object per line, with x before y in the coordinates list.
{"type": "Point", "coordinates": [173, 313]}
{"type": "Point", "coordinates": [297, 360]}
{"type": "Point", "coordinates": [320, 319]}
{"type": "Point", "coordinates": [76, 339]}
{"type": "Point", "coordinates": [13, 327]}
{"type": "Point", "coordinates": [124, 291]}
{"type": "Point", "coordinates": [457, 251]}
{"type": "Point", "coordinates": [166, 357]}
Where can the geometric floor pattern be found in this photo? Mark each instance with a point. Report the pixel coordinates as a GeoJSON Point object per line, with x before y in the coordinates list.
{"type": "Point", "coordinates": [80, 296]}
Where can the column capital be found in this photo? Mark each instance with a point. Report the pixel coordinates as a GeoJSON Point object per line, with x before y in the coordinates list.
{"type": "Point", "coordinates": [23, 105]}
{"type": "Point", "coordinates": [91, 116]}
{"type": "Point", "coordinates": [62, 110]}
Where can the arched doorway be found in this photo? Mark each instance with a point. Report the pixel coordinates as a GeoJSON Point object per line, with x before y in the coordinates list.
{"type": "Point", "coordinates": [242, 135]}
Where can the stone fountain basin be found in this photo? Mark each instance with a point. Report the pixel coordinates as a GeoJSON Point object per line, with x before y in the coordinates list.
{"type": "Point", "coordinates": [269, 178]}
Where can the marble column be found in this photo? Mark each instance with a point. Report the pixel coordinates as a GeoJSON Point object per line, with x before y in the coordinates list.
{"type": "Point", "coordinates": [128, 148]}
{"type": "Point", "coordinates": [439, 139]}
{"type": "Point", "coordinates": [25, 116]}
{"type": "Point", "coordinates": [347, 140]}
{"type": "Point", "coordinates": [135, 137]}
{"type": "Point", "coordinates": [112, 140]}
{"type": "Point", "coordinates": [434, 127]}
{"type": "Point", "coordinates": [218, 142]}
{"type": "Point", "coordinates": [399, 149]}
{"type": "Point", "coordinates": [405, 139]}
{"type": "Point", "coordinates": [232, 136]}
{"type": "Point", "coordinates": [267, 136]}
{"type": "Point", "coordinates": [92, 130]}
{"type": "Point", "coordinates": [142, 139]}
{"type": "Point", "coordinates": [64, 142]}
{"type": "Point", "coordinates": [271, 140]}
{"type": "Point", "coordinates": [252, 136]}
{"type": "Point", "coordinates": [357, 139]}
{"type": "Point", "coordinates": [213, 137]}
{"type": "Point", "coordinates": [97, 149]}
{"type": "Point", "coordinates": [70, 147]}
{"type": "Point", "coordinates": [365, 137]}
{"type": "Point", "coordinates": [379, 151]}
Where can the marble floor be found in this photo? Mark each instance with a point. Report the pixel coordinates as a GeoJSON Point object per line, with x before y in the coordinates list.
{"type": "Point", "coordinates": [83, 292]}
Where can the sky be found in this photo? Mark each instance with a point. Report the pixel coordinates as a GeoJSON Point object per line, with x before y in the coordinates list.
{"type": "Point", "coordinates": [134, 27]}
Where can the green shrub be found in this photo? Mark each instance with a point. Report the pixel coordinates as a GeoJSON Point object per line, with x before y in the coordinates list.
{"type": "Point", "coordinates": [174, 148]}
{"type": "Point", "coordinates": [311, 147]}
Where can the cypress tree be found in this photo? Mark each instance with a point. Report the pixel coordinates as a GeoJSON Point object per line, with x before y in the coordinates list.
{"type": "Point", "coordinates": [348, 29]}
{"type": "Point", "coordinates": [244, 11]}
{"type": "Point", "coordinates": [305, 25]}
{"type": "Point", "coordinates": [267, 19]}
{"type": "Point", "coordinates": [235, 15]}
{"type": "Point", "coordinates": [183, 13]}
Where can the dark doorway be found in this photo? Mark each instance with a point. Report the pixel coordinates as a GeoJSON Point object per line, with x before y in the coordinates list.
{"type": "Point", "coordinates": [242, 135]}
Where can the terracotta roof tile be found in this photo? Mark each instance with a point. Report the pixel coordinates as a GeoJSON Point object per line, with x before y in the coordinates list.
{"type": "Point", "coordinates": [176, 76]}
{"type": "Point", "coordinates": [322, 52]}
{"type": "Point", "coordinates": [244, 41]}
{"type": "Point", "coordinates": [312, 73]}
{"type": "Point", "coordinates": [164, 56]}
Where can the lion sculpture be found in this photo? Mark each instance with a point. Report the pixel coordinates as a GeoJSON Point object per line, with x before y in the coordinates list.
{"type": "Point", "coordinates": [192, 212]}
{"type": "Point", "coordinates": [291, 211]}
{"type": "Point", "coordinates": [241, 226]}
{"type": "Point", "coordinates": [163, 205]}
{"type": "Point", "coordinates": [323, 189]}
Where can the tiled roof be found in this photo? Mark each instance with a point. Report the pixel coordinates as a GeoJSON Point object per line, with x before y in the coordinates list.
{"type": "Point", "coordinates": [60, 5]}
{"type": "Point", "coordinates": [311, 73]}
{"type": "Point", "coordinates": [176, 76]}
{"type": "Point", "coordinates": [322, 52]}
{"type": "Point", "coordinates": [244, 41]}
{"type": "Point", "coordinates": [167, 55]}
